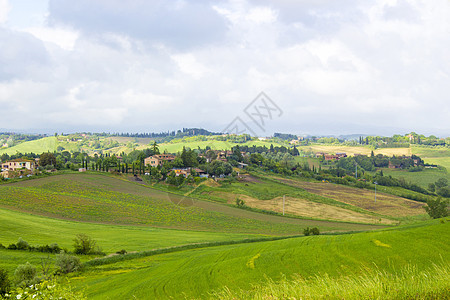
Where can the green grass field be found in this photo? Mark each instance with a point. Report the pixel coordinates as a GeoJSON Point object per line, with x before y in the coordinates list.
{"type": "Point", "coordinates": [216, 145]}
{"type": "Point", "coordinates": [37, 146]}
{"type": "Point", "coordinates": [195, 273]}
{"type": "Point", "coordinates": [424, 151]}
{"type": "Point", "coordinates": [422, 178]}
{"type": "Point", "coordinates": [38, 230]}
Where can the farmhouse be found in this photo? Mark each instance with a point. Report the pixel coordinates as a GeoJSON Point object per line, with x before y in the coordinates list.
{"type": "Point", "coordinates": [182, 172]}
{"type": "Point", "coordinates": [17, 164]}
{"type": "Point", "coordinates": [158, 160]}
{"type": "Point", "coordinates": [201, 173]}
{"type": "Point", "coordinates": [10, 169]}
{"type": "Point", "coordinates": [331, 157]}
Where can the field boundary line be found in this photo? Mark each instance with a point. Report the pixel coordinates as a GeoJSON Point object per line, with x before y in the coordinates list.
{"type": "Point", "coordinates": [130, 256]}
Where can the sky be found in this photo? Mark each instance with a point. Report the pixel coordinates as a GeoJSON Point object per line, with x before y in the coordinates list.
{"type": "Point", "coordinates": [293, 66]}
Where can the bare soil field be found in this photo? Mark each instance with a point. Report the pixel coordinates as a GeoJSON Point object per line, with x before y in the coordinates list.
{"type": "Point", "coordinates": [386, 204]}
{"type": "Point", "coordinates": [305, 208]}
{"type": "Point", "coordinates": [351, 151]}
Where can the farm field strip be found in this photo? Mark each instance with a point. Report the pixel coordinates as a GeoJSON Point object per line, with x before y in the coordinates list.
{"type": "Point", "coordinates": [38, 230]}
{"type": "Point", "coordinates": [214, 144]}
{"type": "Point", "coordinates": [194, 273]}
{"type": "Point", "coordinates": [386, 204]}
{"type": "Point", "coordinates": [104, 199]}
{"type": "Point", "coordinates": [352, 150]}
{"type": "Point", "coordinates": [422, 178]}
{"type": "Point", "coordinates": [305, 208]}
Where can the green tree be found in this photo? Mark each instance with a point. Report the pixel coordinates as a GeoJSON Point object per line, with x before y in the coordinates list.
{"type": "Point", "coordinates": [155, 148]}
{"type": "Point", "coordinates": [437, 208]}
{"type": "Point", "coordinates": [47, 159]}
{"type": "Point", "coordinates": [441, 182]}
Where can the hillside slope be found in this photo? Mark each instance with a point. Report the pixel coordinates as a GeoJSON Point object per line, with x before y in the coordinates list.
{"type": "Point", "coordinates": [37, 146]}
{"type": "Point", "coordinates": [115, 200]}
{"type": "Point", "coordinates": [194, 273]}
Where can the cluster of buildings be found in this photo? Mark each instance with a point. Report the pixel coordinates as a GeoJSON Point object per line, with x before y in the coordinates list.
{"type": "Point", "coordinates": [160, 159]}
{"type": "Point", "coordinates": [328, 157]}
{"type": "Point", "coordinates": [17, 168]}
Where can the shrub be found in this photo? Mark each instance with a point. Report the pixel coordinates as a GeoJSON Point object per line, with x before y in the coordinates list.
{"type": "Point", "coordinates": [240, 202]}
{"type": "Point", "coordinates": [67, 263]}
{"type": "Point", "coordinates": [48, 290]}
{"type": "Point", "coordinates": [84, 244]}
{"type": "Point", "coordinates": [12, 247]}
{"type": "Point", "coordinates": [315, 231]}
{"type": "Point", "coordinates": [25, 275]}
{"type": "Point", "coordinates": [22, 245]}
{"type": "Point", "coordinates": [437, 208]}
{"type": "Point", "coordinates": [308, 231]}
{"type": "Point", "coordinates": [444, 192]}
{"type": "Point", "coordinates": [5, 284]}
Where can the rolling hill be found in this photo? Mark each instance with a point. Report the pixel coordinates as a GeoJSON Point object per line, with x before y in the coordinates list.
{"type": "Point", "coordinates": [116, 200]}
{"type": "Point", "coordinates": [195, 273]}
{"type": "Point", "coordinates": [37, 146]}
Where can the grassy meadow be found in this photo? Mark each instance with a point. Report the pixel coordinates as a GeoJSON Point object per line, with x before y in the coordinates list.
{"type": "Point", "coordinates": [407, 283]}
{"type": "Point", "coordinates": [37, 146]}
{"type": "Point", "coordinates": [175, 147]}
{"type": "Point", "coordinates": [195, 273]}
{"type": "Point", "coordinates": [37, 230]}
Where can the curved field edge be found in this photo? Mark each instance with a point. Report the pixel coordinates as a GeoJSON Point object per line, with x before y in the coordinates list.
{"type": "Point", "coordinates": [105, 199]}
{"type": "Point", "coordinates": [197, 272]}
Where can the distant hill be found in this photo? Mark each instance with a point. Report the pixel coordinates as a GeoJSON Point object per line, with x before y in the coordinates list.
{"type": "Point", "coordinates": [37, 146]}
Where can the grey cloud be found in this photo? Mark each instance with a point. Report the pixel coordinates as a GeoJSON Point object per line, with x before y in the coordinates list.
{"type": "Point", "coordinates": [318, 14]}
{"type": "Point", "coordinates": [22, 56]}
{"type": "Point", "coordinates": [402, 11]}
{"type": "Point", "coordinates": [178, 24]}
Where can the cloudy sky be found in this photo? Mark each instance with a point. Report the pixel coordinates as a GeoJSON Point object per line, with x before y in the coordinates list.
{"type": "Point", "coordinates": [330, 67]}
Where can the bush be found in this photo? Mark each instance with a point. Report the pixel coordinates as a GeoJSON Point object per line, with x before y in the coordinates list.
{"type": "Point", "coordinates": [315, 231]}
{"type": "Point", "coordinates": [12, 247]}
{"type": "Point", "coordinates": [5, 284]}
{"type": "Point", "coordinates": [25, 275]}
{"type": "Point", "coordinates": [437, 208]}
{"type": "Point", "coordinates": [308, 231]}
{"type": "Point", "coordinates": [67, 263]}
{"type": "Point", "coordinates": [444, 192]}
{"type": "Point", "coordinates": [84, 244]}
{"type": "Point", "coordinates": [22, 245]}
{"type": "Point", "coordinates": [48, 290]}
{"type": "Point", "coordinates": [240, 202]}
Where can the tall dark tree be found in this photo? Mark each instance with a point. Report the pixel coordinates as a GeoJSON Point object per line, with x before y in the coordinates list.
{"type": "Point", "coordinates": [47, 159]}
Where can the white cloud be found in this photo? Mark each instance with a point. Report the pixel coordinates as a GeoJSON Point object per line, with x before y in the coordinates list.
{"type": "Point", "coordinates": [64, 38]}
{"type": "Point", "coordinates": [349, 67]}
{"type": "Point", "coordinates": [5, 7]}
